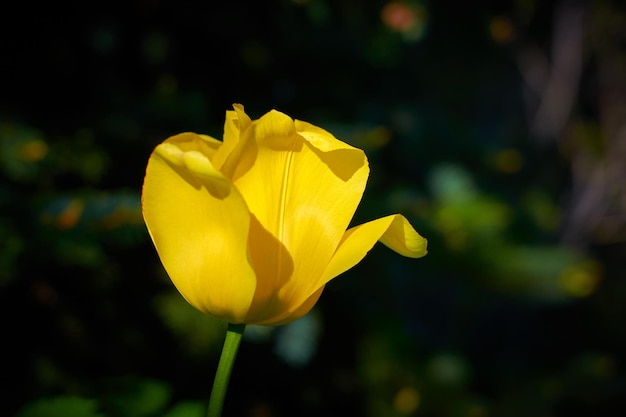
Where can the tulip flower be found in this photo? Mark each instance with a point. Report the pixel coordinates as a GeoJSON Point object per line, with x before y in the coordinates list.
{"type": "Point", "coordinates": [251, 229]}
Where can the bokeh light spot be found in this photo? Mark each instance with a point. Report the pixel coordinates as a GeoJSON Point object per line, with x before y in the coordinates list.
{"type": "Point", "coordinates": [70, 216]}
{"type": "Point", "coordinates": [508, 161]}
{"type": "Point", "coordinates": [33, 151]}
{"type": "Point", "coordinates": [408, 19]}
{"type": "Point", "coordinates": [448, 369]}
{"type": "Point", "coordinates": [407, 400]}
{"type": "Point", "coordinates": [296, 342]}
{"type": "Point", "coordinates": [580, 280]}
{"type": "Point", "coordinates": [398, 16]}
{"type": "Point", "coordinates": [501, 29]}
{"type": "Point", "coordinates": [372, 137]}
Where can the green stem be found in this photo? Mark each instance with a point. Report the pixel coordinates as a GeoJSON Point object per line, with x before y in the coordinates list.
{"type": "Point", "coordinates": [224, 369]}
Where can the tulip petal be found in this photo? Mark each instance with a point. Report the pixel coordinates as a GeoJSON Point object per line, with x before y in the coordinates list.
{"type": "Point", "coordinates": [194, 142]}
{"type": "Point", "coordinates": [199, 224]}
{"type": "Point", "coordinates": [274, 267]}
{"type": "Point", "coordinates": [344, 160]}
{"type": "Point", "coordinates": [394, 231]}
{"type": "Point", "coordinates": [320, 138]}
{"type": "Point", "coordinates": [302, 193]}
{"type": "Point", "coordinates": [236, 121]}
{"type": "Point", "coordinates": [402, 238]}
{"type": "Point", "coordinates": [289, 316]}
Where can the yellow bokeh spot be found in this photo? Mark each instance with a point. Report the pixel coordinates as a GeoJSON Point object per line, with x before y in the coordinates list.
{"type": "Point", "coordinates": [501, 29]}
{"type": "Point", "coordinates": [407, 400]}
{"type": "Point", "coordinates": [372, 138]}
{"type": "Point", "coordinates": [508, 161]}
{"type": "Point", "coordinates": [33, 151]}
{"type": "Point", "coordinates": [580, 280]}
{"type": "Point", "coordinates": [451, 227]}
{"type": "Point", "coordinates": [447, 220]}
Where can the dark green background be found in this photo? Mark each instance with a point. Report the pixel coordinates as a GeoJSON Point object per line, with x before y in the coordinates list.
{"type": "Point", "coordinates": [518, 310]}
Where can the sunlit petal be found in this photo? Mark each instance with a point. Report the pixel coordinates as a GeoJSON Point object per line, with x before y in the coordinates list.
{"type": "Point", "coordinates": [194, 142]}
{"type": "Point", "coordinates": [199, 224]}
{"type": "Point", "coordinates": [344, 160]}
{"type": "Point", "coordinates": [251, 229]}
{"type": "Point", "coordinates": [320, 138]}
{"type": "Point", "coordinates": [402, 238]}
{"type": "Point", "coordinates": [305, 196]}
{"type": "Point", "coordinates": [394, 231]}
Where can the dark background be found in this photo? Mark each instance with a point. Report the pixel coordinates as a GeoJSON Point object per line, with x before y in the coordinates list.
{"type": "Point", "coordinates": [497, 128]}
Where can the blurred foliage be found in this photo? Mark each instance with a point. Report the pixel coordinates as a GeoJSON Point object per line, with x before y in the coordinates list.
{"type": "Point", "coordinates": [497, 128]}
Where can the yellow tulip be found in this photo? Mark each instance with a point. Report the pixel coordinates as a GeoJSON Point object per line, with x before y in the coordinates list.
{"type": "Point", "coordinates": [251, 229]}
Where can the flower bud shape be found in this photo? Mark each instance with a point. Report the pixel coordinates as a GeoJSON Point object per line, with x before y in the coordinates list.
{"type": "Point", "coordinates": [250, 229]}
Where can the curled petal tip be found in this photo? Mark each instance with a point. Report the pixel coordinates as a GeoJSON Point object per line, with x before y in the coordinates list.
{"type": "Point", "coordinates": [402, 238]}
{"type": "Point", "coordinates": [393, 231]}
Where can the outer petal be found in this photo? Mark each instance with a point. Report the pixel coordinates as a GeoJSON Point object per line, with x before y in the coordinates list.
{"type": "Point", "coordinates": [394, 231]}
{"type": "Point", "coordinates": [199, 224]}
{"type": "Point", "coordinates": [304, 193]}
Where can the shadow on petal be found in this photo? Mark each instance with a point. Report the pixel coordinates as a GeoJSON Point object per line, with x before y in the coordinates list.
{"type": "Point", "coordinates": [241, 158]}
{"type": "Point", "coordinates": [199, 173]}
{"type": "Point", "coordinates": [344, 163]}
{"type": "Point", "coordinates": [274, 268]}
{"type": "Point", "coordinates": [296, 312]}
